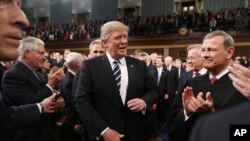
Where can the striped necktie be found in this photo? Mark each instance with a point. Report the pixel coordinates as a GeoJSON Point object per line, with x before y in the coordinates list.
{"type": "Point", "coordinates": [117, 74]}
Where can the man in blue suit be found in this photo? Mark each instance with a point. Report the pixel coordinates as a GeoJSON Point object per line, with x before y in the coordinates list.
{"type": "Point", "coordinates": [113, 110]}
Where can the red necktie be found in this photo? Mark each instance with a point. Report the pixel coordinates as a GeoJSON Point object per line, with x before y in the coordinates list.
{"type": "Point", "coordinates": [213, 79]}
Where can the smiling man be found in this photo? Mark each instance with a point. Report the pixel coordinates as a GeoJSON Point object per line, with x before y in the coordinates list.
{"type": "Point", "coordinates": [210, 92]}
{"type": "Point", "coordinates": [114, 92]}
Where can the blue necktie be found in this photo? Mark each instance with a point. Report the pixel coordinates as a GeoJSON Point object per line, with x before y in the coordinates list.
{"type": "Point", "coordinates": [117, 74]}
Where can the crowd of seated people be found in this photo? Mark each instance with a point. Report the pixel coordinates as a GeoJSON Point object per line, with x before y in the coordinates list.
{"type": "Point", "coordinates": [226, 19]}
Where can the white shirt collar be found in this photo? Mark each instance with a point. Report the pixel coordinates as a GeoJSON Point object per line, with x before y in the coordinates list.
{"type": "Point", "coordinates": [220, 75]}
{"type": "Point", "coordinates": [111, 60]}
{"type": "Point", "coordinates": [72, 72]}
{"type": "Point", "coordinates": [202, 71]}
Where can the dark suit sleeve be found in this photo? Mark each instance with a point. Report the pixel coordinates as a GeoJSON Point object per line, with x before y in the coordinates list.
{"type": "Point", "coordinates": [74, 115]}
{"type": "Point", "coordinates": [16, 85]}
{"type": "Point", "coordinates": [24, 115]}
{"type": "Point", "coordinates": [93, 122]}
{"type": "Point", "coordinates": [151, 95]}
{"type": "Point", "coordinates": [176, 119]}
{"type": "Point", "coordinates": [196, 133]}
{"type": "Point", "coordinates": [18, 117]}
{"type": "Point", "coordinates": [66, 90]}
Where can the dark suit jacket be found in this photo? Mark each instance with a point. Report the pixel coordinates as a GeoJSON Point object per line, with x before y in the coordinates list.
{"type": "Point", "coordinates": [99, 104]}
{"type": "Point", "coordinates": [173, 79]}
{"type": "Point", "coordinates": [217, 127]}
{"type": "Point", "coordinates": [181, 71]}
{"type": "Point", "coordinates": [223, 93]}
{"type": "Point", "coordinates": [247, 64]}
{"type": "Point", "coordinates": [66, 91]}
{"type": "Point", "coordinates": [162, 104]}
{"type": "Point", "coordinates": [16, 118]}
{"type": "Point", "coordinates": [21, 86]}
{"type": "Point", "coordinates": [184, 78]}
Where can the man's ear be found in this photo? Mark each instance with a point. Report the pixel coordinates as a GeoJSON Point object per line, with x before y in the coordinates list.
{"type": "Point", "coordinates": [27, 53]}
{"type": "Point", "coordinates": [230, 52]}
{"type": "Point", "coordinates": [104, 44]}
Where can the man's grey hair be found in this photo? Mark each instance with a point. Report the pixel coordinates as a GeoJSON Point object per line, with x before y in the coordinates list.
{"type": "Point", "coordinates": [97, 41]}
{"type": "Point", "coordinates": [110, 27]}
{"type": "Point", "coordinates": [72, 59]}
{"type": "Point", "coordinates": [198, 46]}
{"type": "Point", "coordinates": [228, 40]}
{"type": "Point", "coordinates": [29, 43]}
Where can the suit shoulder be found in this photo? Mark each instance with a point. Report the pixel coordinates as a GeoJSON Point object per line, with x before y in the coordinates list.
{"type": "Point", "coordinates": [134, 60]}
{"type": "Point", "coordinates": [93, 61]}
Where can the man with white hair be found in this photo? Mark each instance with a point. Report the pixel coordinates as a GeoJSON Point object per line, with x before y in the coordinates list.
{"type": "Point", "coordinates": [22, 84]}
{"type": "Point", "coordinates": [73, 63]}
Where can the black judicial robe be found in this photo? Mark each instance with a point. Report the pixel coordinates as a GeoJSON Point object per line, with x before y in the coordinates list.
{"type": "Point", "coordinates": [223, 93]}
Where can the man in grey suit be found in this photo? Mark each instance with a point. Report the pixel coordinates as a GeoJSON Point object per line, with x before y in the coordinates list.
{"type": "Point", "coordinates": [114, 110]}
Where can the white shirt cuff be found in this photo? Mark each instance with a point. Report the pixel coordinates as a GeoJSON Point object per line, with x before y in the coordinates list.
{"type": "Point", "coordinates": [97, 138]}
{"type": "Point", "coordinates": [186, 116]}
{"type": "Point", "coordinates": [39, 107]}
{"type": "Point", "coordinates": [50, 87]}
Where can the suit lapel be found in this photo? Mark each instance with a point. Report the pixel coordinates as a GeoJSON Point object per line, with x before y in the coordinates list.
{"type": "Point", "coordinates": [131, 77]}
{"type": "Point", "coordinates": [29, 73]}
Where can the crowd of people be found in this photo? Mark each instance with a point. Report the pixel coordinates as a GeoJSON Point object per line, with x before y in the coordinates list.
{"type": "Point", "coordinates": [111, 96]}
{"type": "Point", "coordinates": [225, 19]}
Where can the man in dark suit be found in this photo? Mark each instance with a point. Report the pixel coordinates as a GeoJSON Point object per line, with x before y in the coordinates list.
{"type": "Point", "coordinates": [217, 127]}
{"type": "Point", "coordinates": [181, 69]}
{"type": "Point", "coordinates": [246, 63]}
{"type": "Point", "coordinates": [194, 63]}
{"type": "Point", "coordinates": [12, 118]}
{"type": "Point", "coordinates": [113, 105]}
{"type": "Point", "coordinates": [210, 92]}
{"type": "Point", "coordinates": [73, 63]}
{"type": "Point", "coordinates": [95, 49]}
{"type": "Point", "coordinates": [22, 84]}
{"type": "Point", "coordinates": [173, 77]}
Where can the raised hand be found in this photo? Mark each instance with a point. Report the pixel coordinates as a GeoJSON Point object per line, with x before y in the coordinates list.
{"type": "Point", "coordinates": [241, 78]}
